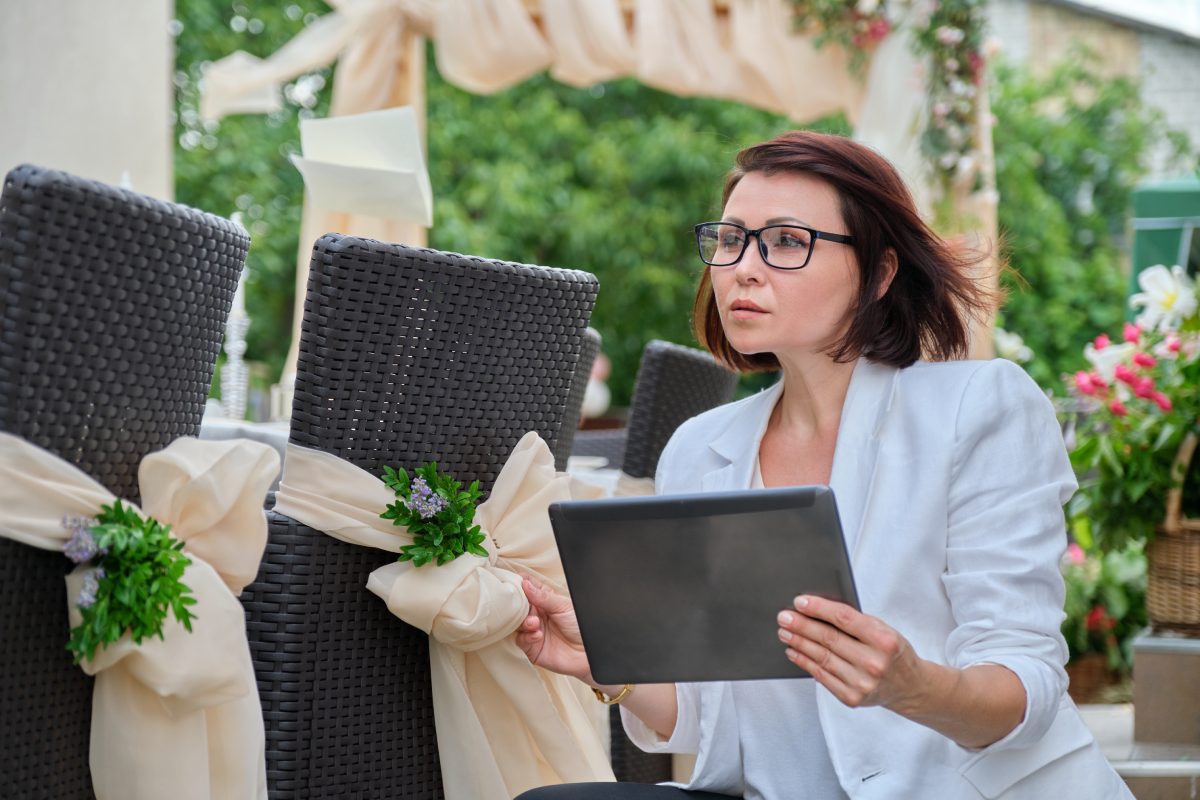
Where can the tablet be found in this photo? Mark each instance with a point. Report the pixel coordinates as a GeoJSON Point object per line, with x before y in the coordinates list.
{"type": "Point", "coordinates": [687, 587]}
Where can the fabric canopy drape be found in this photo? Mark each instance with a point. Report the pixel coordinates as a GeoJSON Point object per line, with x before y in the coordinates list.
{"type": "Point", "coordinates": [746, 50]}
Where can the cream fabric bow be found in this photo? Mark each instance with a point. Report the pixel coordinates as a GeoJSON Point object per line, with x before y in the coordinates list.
{"type": "Point", "coordinates": [177, 717]}
{"type": "Point", "coordinates": [503, 725]}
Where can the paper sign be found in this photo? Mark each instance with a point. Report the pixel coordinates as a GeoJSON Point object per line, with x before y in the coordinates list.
{"type": "Point", "coordinates": [367, 164]}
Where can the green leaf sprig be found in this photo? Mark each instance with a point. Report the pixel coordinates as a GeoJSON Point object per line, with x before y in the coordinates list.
{"type": "Point", "coordinates": [438, 513]}
{"type": "Point", "coordinates": [136, 581]}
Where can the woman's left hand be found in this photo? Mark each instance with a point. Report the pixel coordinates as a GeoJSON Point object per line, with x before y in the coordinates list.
{"type": "Point", "coordinates": [860, 659]}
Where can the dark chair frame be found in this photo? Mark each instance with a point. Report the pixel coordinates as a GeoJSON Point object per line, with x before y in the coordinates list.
{"type": "Point", "coordinates": [112, 306]}
{"type": "Point", "coordinates": [406, 356]}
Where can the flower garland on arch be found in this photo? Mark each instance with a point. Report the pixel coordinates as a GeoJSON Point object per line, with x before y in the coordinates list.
{"type": "Point", "coordinates": [948, 34]}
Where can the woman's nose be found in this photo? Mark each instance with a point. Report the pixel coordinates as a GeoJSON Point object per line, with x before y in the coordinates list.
{"type": "Point", "coordinates": [752, 265]}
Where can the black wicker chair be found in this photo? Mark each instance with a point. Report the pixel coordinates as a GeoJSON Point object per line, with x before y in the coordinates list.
{"type": "Point", "coordinates": [674, 383]}
{"type": "Point", "coordinates": [111, 311]}
{"type": "Point", "coordinates": [406, 356]}
{"type": "Point", "coordinates": [579, 384]}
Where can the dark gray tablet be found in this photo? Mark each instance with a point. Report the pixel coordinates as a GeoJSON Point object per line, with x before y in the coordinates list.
{"type": "Point", "coordinates": [687, 587]}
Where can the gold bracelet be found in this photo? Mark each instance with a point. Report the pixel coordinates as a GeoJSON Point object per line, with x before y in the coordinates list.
{"type": "Point", "coordinates": [618, 697]}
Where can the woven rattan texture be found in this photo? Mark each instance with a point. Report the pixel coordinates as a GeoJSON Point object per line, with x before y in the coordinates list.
{"type": "Point", "coordinates": [631, 764]}
{"type": "Point", "coordinates": [406, 356]}
{"type": "Point", "coordinates": [674, 383]}
{"type": "Point", "coordinates": [111, 310]}
{"type": "Point", "coordinates": [411, 355]}
{"type": "Point", "coordinates": [579, 384]}
{"type": "Point", "coordinates": [344, 684]}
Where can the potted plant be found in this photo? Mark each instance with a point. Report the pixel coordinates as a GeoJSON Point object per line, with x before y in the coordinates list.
{"type": "Point", "coordinates": [1135, 443]}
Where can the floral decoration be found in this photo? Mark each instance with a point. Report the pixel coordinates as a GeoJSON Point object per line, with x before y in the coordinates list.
{"type": "Point", "coordinates": [133, 580]}
{"type": "Point", "coordinates": [948, 35]}
{"type": "Point", "coordinates": [1141, 400]}
{"type": "Point", "coordinates": [437, 511]}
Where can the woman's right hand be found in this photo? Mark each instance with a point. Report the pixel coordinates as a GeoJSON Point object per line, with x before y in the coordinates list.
{"type": "Point", "coordinates": [550, 634]}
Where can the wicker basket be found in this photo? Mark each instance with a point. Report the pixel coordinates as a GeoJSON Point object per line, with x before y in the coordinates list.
{"type": "Point", "coordinates": [1088, 677]}
{"type": "Point", "coordinates": [1173, 560]}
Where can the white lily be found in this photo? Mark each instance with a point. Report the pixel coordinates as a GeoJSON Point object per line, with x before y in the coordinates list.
{"type": "Point", "coordinates": [1167, 298]}
{"type": "Point", "coordinates": [1104, 360]}
{"type": "Point", "coordinates": [1011, 346]}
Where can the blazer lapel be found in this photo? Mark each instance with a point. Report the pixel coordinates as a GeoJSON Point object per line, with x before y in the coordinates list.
{"type": "Point", "coordinates": [864, 412]}
{"type": "Point", "coordinates": [737, 445]}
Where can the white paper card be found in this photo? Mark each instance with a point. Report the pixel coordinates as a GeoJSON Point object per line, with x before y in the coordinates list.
{"type": "Point", "coordinates": [367, 164]}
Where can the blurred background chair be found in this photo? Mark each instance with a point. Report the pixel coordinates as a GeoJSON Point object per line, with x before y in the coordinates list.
{"type": "Point", "coordinates": [579, 384]}
{"type": "Point", "coordinates": [406, 356]}
{"type": "Point", "coordinates": [674, 383]}
{"type": "Point", "coordinates": [111, 311]}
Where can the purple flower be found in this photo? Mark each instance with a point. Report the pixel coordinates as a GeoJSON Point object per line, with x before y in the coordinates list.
{"type": "Point", "coordinates": [81, 546]}
{"type": "Point", "coordinates": [422, 499]}
{"type": "Point", "coordinates": [91, 585]}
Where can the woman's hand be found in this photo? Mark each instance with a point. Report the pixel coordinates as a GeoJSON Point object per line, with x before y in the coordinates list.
{"type": "Point", "coordinates": [860, 659]}
{"type": "Point", "coordinates": [863, 661]}
{"type": "Point", "coordinates": [550, 634]}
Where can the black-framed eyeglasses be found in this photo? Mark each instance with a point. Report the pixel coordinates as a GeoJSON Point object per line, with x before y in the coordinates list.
{"type": "Point", "coordinates": [722, 244]}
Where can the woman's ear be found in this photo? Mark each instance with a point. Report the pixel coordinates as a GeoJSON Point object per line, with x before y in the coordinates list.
{"type": "Point", "coordinates": [890, 264]}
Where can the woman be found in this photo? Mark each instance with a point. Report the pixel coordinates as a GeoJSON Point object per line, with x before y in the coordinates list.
{"type": "Point", "coordinates": [950, 479]}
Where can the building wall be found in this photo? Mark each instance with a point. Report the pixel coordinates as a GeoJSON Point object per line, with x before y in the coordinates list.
{"type": "Point", "coordinates": [1170, 72]}
{"type": "Point", "coordinates": [85, 87]}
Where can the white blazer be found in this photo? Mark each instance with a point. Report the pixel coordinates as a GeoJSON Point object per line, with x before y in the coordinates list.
{"type": "Point", "coordinates": [950, 480]}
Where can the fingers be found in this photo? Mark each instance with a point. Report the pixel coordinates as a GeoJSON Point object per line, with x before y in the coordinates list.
{"type": "Point", "coordinates": [822, 635]}
{"type": "Point", "coordinates": [543, 597]}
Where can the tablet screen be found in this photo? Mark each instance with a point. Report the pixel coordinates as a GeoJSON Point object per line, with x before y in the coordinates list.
{"type": "Point", "coordinates": [687, 587]}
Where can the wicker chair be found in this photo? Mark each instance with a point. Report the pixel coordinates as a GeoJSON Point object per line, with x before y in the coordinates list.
{"type": "Point", "coordinates": [111, 311]}
{"type": "Point", "coordinates": [406, 356]}
{"type": "Point", "coordinates": [579, 384]}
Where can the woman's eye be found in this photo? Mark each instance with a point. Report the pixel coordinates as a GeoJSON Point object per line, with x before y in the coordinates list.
{"type": "Point", "coordinates": [792, 240]}
{"type": "Point", "coordinates": [731, 241]}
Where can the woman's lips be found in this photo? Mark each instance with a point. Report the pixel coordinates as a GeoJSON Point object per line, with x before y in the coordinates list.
{"type": "Point", "coordinates": [745, 309]}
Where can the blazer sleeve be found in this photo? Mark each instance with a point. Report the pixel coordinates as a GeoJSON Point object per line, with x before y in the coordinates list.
{"type": "Point", "coordinates": [1006, 536]}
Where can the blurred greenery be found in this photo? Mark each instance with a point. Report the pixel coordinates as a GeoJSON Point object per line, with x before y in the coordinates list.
{"type": "Point", "coordinates": [1070, 148]}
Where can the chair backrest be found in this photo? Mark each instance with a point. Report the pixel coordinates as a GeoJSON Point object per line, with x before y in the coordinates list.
{"type": "Point", "coordinates": [674, 383]}
{"type": "Point", "coordinates": [406, 356]}
{"type": "Point", "coordinates": [111, 311]}
{"type": "Point", "coordinates": [579, 384]}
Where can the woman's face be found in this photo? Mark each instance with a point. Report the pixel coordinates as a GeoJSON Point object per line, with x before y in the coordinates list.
{"type": "Point", "coordinates": [767, 310]}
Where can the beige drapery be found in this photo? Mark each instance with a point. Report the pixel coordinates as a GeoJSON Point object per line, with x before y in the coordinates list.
{"type": "Point", "coordinates": [747, 50]}
{"type": "Point", "coordinates": [176, 716]}
{"type": "Point", "coordinates": [503, 725]}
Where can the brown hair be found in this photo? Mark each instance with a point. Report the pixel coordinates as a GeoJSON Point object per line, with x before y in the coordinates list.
{"type": "Point", "coordinates": [932, 296]}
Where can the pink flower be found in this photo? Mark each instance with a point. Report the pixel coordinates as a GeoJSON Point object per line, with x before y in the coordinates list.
{"type": "Point", "coordinates": [878, 29]}
{"type": "Point", "coordinates": [1144, 360]}
{"type": "Point", "coordinates": [1173, 343]}
{"type": "Point", "coordinates": [1118, 408]}
{"type": "Point", "coordinates": [1085, 383]}
{"type": "Point", "coordinates": [1125, 374]}
{"type": "Point", "coordinates": [1144, 388]}
{"type": "Point", "coordinates": [1161, 400]}
{"type": "Point", "coordinates": [1132, 333]}
{"type": "Point", "coordinates": [1101, 341]}
{"type": "Point", "coordinates": [1075, 554]}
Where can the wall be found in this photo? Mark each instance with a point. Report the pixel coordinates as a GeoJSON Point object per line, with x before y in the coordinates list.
{"type": "Point", "coordinates": [86, 87]}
